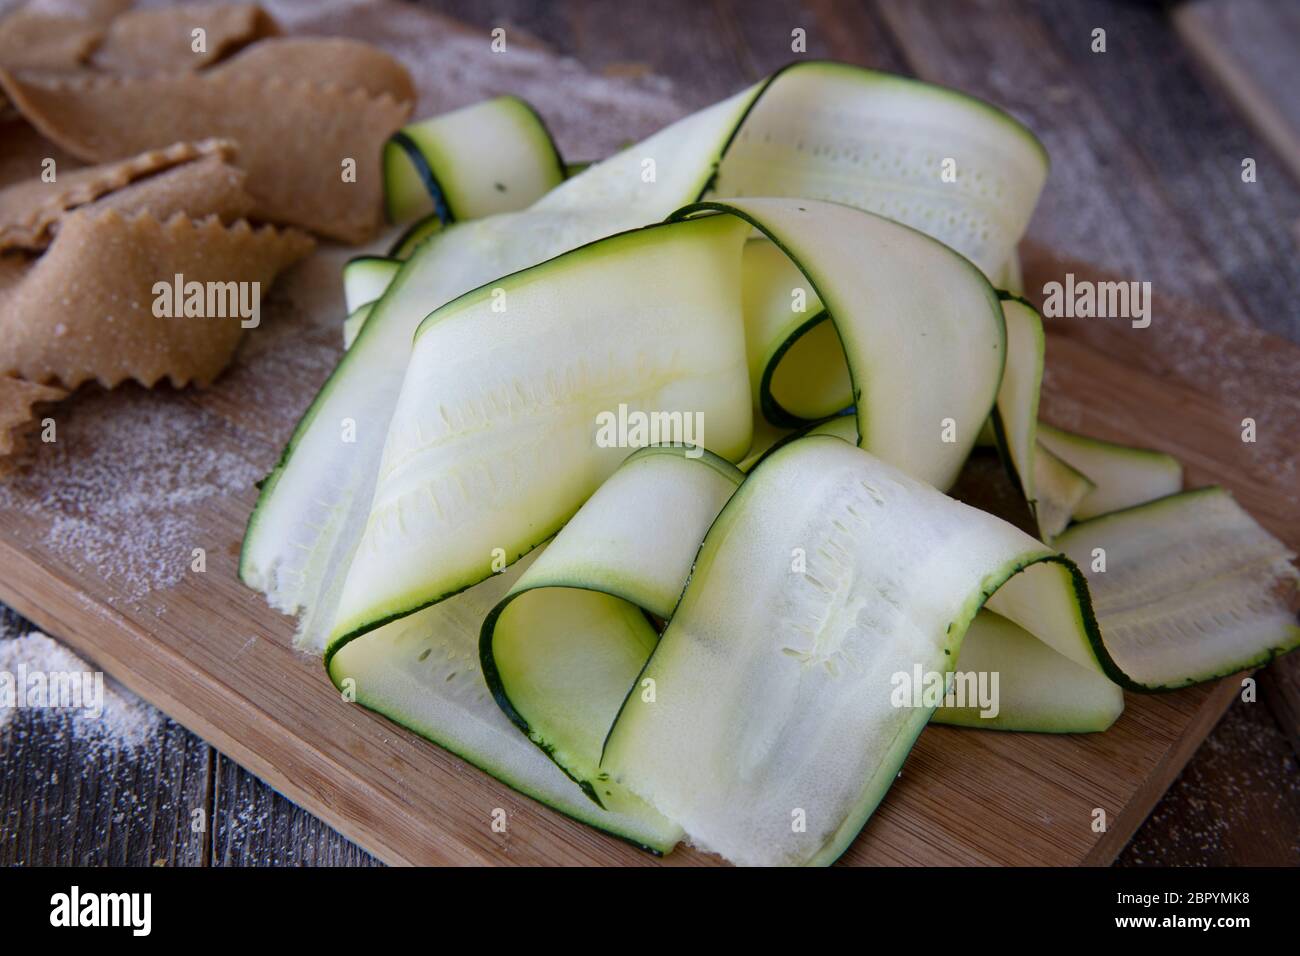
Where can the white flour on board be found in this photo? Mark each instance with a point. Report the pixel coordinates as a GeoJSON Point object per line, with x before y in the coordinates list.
{"type": "Point", "coordinates": [118, 490]}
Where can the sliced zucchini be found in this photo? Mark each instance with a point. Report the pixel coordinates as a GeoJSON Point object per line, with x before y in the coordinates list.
{"type": "Point", "coordinates": [1052, 488]}
{"type": "Point", "coordinates": [313, 506]}
{"type": "Point", "coordinates": [894, 335]}
{"type": "Point", "coordinates": [949, 165]}
{"type": "Point", "coordinates": [1015, 417]}
{"type": "Point", "coordinates": [415, 234]}
{"type": "Point", "coordinates": [308, 519]}
{"type": "Point", "coordinates": [1121, 476]}
{"type": "Point", "coordinates": [422, 672]}
{"type": "Point", "coordinates": [353, 323]}
{"type": "Point", "coordinates": [365, 278]}
{"type": "Point", "coordinates": [796, 365]}
{"type": "Point", "coordinates": [773, 731]}
{"type": "Point", "coordinates": [766, 437]}
{"type": "Point", "coordinates": [564, 645]}
{"type": "Point", "coordinates": [492, 157]}
{"type": "Point", "coordinates": [1012, 277]}
{"type": "Point", "coordinates": [491, 445]}
{"type": "Point", "coordinates": [1060, 491]}
{"type": "Point", "coordinates": [494, 441]}
{"type": "Point", "coordinates": [461, 431]}
{"type": "Point", "coordinates": [1186, 588]}
{"type": "Point", "coordinates": [1036, 689]}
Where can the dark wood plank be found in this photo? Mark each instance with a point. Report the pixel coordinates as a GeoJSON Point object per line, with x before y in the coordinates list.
{"type": "Point", "coordinates": [1236, 803]}
{"type": "Point", "coordinates": [255, 826]}
{"type": "Point", "coordinates": [1250, 48]}
{"type": "Point", "coordinates": [686, 41]}
{"type": "Point", "coordinates": [710, 50]}
{"type": "Point", "coordinates": [1280, 689]}
{"type": "Point", "coordinates": [69, 798]}
{"type": "Point", "coordinates": [1190, 142]}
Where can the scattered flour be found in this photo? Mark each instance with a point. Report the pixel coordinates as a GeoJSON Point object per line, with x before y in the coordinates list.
{"type": "Point", "coordinates": [118, 490]}
{"type": "Point", "coordinates": [126, 724]}
{"type": "Point", "coordinates": [590, 115]}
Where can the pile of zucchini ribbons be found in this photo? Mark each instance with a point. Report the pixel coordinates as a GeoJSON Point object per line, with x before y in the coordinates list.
{"type": "Point", "coordinates": [697, 640]}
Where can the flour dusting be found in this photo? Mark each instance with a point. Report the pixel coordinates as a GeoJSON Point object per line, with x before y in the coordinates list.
{"type": "Point", "coordinates": [125, 724]}
{"type": "Point", "coordinates": [118, 488]}
{"type": "Point", "coordinates": [120, 494]}
{"type": "Point", "coordinates": [452, 66]}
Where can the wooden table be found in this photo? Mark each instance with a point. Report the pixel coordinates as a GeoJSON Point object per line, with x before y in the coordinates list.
{"type": "Point", "coordinates": [1178, 88]}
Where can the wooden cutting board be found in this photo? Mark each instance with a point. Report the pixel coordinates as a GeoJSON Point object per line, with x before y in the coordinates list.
{"type": "Point", "coordinates": [96, 547]}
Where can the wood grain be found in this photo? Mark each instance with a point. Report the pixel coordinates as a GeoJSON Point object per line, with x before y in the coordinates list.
{"type": "Point", "coordinates": [1126, 195]}
{"type": "Point", "coordinates": [1234, 804]}
{"type": "Point", "coordinates": [103, 805]}
{"type": "Point", "coordinates": [964, 797]}
{"type": "Point", "coordinates": [1249, 46]}
{"type": "Point", "coordinates": [255, 826]}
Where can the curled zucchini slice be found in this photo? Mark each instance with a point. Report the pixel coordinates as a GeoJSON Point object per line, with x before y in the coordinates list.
{"type": "Point", "coordinates": [1187, 588]}
{"type": "Point", "coordinates": [667, 644]}
{"type": "Point", "coordinates": [491, 157]}
{"type": "Point", "coordinates": [563, 646]}
{"type": "Point", "coordinates": [774, 730]}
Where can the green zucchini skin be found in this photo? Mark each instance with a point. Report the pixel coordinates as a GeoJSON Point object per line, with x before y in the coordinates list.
{"type": "Point", "coordinates": [632, 542]}
{"type": "Point", "coordinates": [433, 289]}
{"type": "Point", "coordinates": [439, 166]}
{"type": "Point", "coordinates": [419, 672]}
{"type": "Point", "coordinates": [716, 664]}
{"type": "Point", "coordinates": [1241, 567]}
{"type": "Point", "coordinates": [415, 234]}
{"type": "Point", "coordinates": [400, 147]}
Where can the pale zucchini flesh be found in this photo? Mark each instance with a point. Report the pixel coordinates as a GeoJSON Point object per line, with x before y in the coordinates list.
{"type": "Point", "coordinates": [895, 335]}
{"type": "Point", "coordinates": [365, 278]}
{"type": "Point", "coordinates": [951, 166]}
{"type": "Point", "coordinates": [1187, 588]}
{"type": "Point", "coordinates": [492, 450]}
{"type": "Point", "coordinates": [492, 157]}
{"type": "Point", "coordinates": [353, 323]}
{"type": "Point", "coordinates": [457, 437]}
{"type": "Point", "coordinates": [1037, 689]}
{"type": "Point", "coordinates": [563, 646]}
{"type": "Point", "coordinates": [772, 734]}
{"type": "Point", "coordinates": [1121, 476]}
